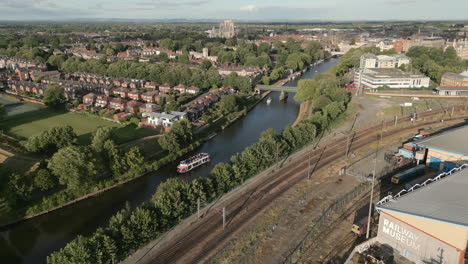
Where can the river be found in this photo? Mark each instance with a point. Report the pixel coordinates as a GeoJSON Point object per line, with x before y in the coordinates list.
{"type": "Point", "coordinates": [31, 241]}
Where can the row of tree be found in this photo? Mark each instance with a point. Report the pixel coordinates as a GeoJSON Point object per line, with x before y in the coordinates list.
{"type": "Point", "coordinates": [176, 199]}
{"type": "Point", "coordinates": [434, 62]}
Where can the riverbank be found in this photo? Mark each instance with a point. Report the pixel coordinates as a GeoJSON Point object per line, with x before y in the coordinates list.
{"type": "Point", "coordinates": [201, 136]}
{"type": "Point", "coordinates": [95, 193]}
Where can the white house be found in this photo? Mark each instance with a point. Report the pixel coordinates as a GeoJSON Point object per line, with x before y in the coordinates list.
{"type": "Point", "coordinates": [164, 119]}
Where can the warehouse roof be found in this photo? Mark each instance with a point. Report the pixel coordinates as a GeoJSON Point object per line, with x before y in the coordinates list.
{"type": "Point", "coordinates": [444, 200]}
{"type": "Point", "coordinates": [454, 141]}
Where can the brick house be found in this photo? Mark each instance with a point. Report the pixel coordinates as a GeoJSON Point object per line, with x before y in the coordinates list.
{"type": "Point", "coordinates": [89, 98]}
{"type": "Point", "coordinates": [162, 98]}
{"type": "Point", "coordinates": [22, 73]}
{"type": "Point", "coordinates": [108, 91]}
{"type": "Point", "coordinates": [180, 88]}
{"type": "Point", "coordinates": [165, 88]}
{"type": "Point", "coordinates": [151, 85]}
{"type": "Point", "coordinates": [193, 90]}
{"type": "Point", "coordinates": [134, 94]}
{"type": "Point", "coordinates": [150, 96]}
{"type": "Point", "coordinates": [133, 107]}
{"type": "Point", "coordinates": [118, 104]}
{"type": "Point", "coordinates": [122, 92]}
{"type": "Point", "coordinates": [150, 108]}
{"type": "Point", "coordinates": [102, 101]}
{"type": "Point", "coordinates": [134, 85]}
{"type": "Point", "coordinates": [124, 84]}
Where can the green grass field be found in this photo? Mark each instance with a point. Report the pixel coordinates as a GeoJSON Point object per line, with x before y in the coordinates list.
{"type": "Point", "coordinates": [16, 107]}
{"type": "Point", "coordinates": [84, 126]}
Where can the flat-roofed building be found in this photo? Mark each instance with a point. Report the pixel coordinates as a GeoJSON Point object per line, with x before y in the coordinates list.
{"type": "Point", "coordinates": [389, 77]}
{"type": "Point", "coordinates": [447, 150]}
{"type": "Point", "coordinates": [451, 79]}
{"type": "Point", "coordinates": [428, 224]}
{"type": "Point", "coordinates": [370, 60]}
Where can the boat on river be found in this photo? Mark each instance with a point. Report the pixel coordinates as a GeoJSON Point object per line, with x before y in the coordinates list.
{"type": "Point", "coordinates": [193, 162]}
{"type": "Point", "coordinates": [268, 101]}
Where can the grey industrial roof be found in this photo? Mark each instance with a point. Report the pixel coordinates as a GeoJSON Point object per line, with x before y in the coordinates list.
{"type": "Point", "coordinates": [454, 141]}
{"type": "Point", "coordinates": [445, 200]}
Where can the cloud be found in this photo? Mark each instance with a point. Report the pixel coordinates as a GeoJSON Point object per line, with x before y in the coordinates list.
{"type": "Point", "coordinates": [164, 4]}
{"type": "Point", "coordinates": [248, 8]}
{"type": "Point", "coordinates": [38, 9]}
{"type": "Point", "coordinates": [22, 3]}
{"type": "Point", "coordinates": [399, 2]}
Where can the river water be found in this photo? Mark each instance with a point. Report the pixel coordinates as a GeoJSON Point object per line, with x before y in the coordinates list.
{"type": "Point", "coordinates": [31, 241]}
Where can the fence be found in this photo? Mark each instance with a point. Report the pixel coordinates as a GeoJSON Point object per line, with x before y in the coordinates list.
{"type": "Point", "coordinates": [315, 226]}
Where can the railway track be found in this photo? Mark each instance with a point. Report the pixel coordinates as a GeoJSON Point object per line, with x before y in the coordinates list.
{"type": "Point", "coordinates": [207, 234]}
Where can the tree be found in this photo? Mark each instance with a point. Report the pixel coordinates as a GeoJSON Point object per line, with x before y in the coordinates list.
{"type": "Point", "coordinates": [134, 158]}
{"type": "Point", "coordinates": [2, 112]}
{"type": "Point", "coordinates": [21, 185]}
{"type": "Point", "coordinates": [114, 158]}
{"type": "Point", "coordinates": [206, 64]}
{"type": "Point", "coordinates": [44, 180]}
{"type": "Point", "coordinates": [169, 142]}
{"type": "Point", "coordinates": [52, 139]}
{"type": "Point", "coordinates": [76, 166]}
{"type": "Point", "coordinates": [228, 104]}
{"type": "Point", "coordinates": [101, 135]}
{"type": "Point", "coordinates": [171, 198]}
{"type": "Point", "coordinates": [183, 58]}
{"type": "Point", "coordinates": [179, 137]}
{"type": "Point", "coordinates": [54, 95]}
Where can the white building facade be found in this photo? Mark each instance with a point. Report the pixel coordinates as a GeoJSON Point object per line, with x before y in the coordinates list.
{"type": "Point", "coordinates": [391, 78]}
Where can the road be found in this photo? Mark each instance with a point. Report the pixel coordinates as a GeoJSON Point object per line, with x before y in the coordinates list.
{"type": "Point", "coordinates": [201, 239]}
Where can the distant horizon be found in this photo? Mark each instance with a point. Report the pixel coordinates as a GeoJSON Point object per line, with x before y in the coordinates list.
{"type": "Point", "coordinates": [252, 10]}
{"type": "Point", "coordinates": [217, 20]}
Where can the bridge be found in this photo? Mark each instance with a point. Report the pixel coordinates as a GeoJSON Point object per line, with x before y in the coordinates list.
{"type": "Point", "coordinates": [289, 89]}
{"type": "Point", "coordinates": [337, 53]}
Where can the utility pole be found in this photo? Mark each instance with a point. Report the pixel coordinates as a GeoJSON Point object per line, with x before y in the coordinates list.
{"type": "Point", "coordinates": [373, 183]}
{"type": "Point", "coordinates": [198, 208]}
{"type": "Point", "coordinates": [396, 120]}
{"type": "Point", "coordinates": [347, 146]}
{"type": "Point", "coordinates": [224, 217]}
{"type": "Point", "coordinates": [308, 172]}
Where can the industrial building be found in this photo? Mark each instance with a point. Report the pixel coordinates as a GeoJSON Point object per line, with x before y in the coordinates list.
{"type": "Point", "coordinates": [428, 224]}
{"type": "Point", "coordinates": [447, 150]}
{"type": "Point", "coordinates": [453, 84]}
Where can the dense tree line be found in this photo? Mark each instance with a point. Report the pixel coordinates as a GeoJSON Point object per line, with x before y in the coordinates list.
{"type": "Point", "coordinates": [69, 169]}
{"type": "Point", "coordinates": [434, 62]}
{"type": "Point", "coordinates": [176, 199]}
{"type": "Point", "coordinates": [289, 54]}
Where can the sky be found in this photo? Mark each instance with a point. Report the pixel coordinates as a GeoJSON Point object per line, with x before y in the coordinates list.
{"type": "Point", "coordinates": [282, 10]}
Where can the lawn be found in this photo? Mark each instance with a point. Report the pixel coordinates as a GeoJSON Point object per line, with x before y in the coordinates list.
{"type": "Point", "coordinates": [16, 107]}
{"type": "Point", "coordinates": [84, 126]}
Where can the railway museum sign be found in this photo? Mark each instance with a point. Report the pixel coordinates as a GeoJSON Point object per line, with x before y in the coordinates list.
{"type": "Point", "coordinates": [414, 244]}
{"type": "Point", "coordinates": [401, 234]}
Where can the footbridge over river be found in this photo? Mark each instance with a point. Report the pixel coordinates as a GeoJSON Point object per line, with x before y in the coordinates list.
{"type": "Point", "coordinates": [289, 89]}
